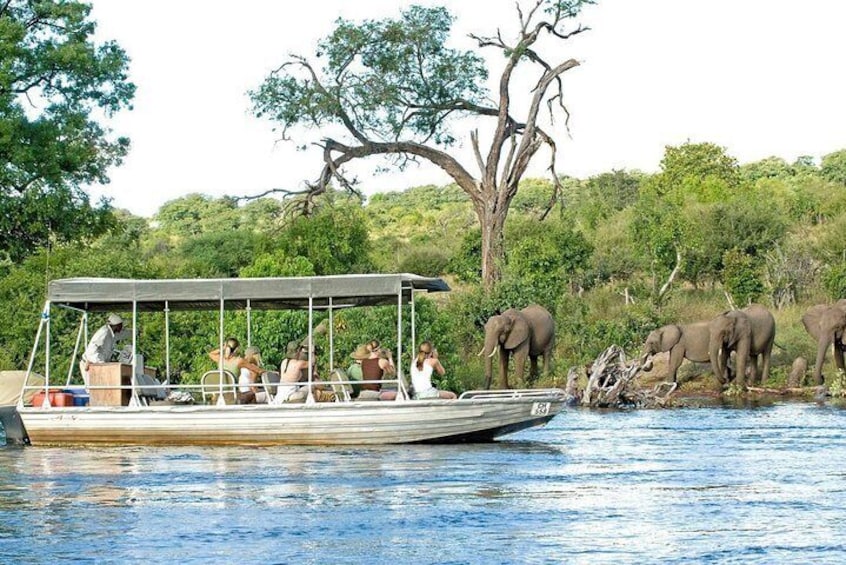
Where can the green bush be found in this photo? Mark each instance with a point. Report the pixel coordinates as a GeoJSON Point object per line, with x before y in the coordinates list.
{"type": "Point", "coordinates": [834, 281]}
{"type": "Point", "coordinates": [742, 277]}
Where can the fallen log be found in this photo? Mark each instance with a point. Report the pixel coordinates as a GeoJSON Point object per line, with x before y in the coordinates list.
{"type": "Point", "coordinates": [612, 384]}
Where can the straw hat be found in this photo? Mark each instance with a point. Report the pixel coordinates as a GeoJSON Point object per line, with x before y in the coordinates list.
{"type": "Point", "coordinates": [361, 352]}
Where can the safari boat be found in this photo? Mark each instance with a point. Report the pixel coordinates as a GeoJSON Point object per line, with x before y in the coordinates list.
{"type": "Point", "coordinates": [121, 413]}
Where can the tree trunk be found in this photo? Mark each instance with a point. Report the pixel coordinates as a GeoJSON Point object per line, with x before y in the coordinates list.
{"type": "Point", "coordinates": [492, 212]}
{"type": "Point", "coordinates": [493, 251]}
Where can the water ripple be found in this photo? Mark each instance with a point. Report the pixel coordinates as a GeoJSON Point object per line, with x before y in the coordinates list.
{"type": "Point", "coordinates": [709, 485]}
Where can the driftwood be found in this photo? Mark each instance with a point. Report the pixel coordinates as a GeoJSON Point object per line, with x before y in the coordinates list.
{"type": "Point", "coordinates": [612, 384]}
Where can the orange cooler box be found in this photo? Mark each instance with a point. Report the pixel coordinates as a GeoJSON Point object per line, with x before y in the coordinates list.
{"type": "Point", "coordinates": [57, 398]}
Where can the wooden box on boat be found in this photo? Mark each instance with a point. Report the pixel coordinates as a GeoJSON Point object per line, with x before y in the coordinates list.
{"type": "Point", "coordinates": [109, 375]}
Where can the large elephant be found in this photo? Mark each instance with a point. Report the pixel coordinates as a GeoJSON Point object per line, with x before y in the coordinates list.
{"type": "Point", "coordinates": [689, 341]}
{"type": "Point", "coordinates": [827, 324]}
{"type": "Point", "coordinates": [750, 333]}
{"type": "Point", "coordinates": [529, 332]}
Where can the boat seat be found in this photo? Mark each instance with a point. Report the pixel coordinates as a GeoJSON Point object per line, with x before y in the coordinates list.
{"type": "Point", "coordinates": [270, 379]}
{"type": "Point", "coordinates": [340, 385]}
{"type": "Point", "coordinates": [210, 386]}
{"type": "Point", "coordinates": [149, 387]}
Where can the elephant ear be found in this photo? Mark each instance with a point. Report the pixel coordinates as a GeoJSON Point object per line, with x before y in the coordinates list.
{"type": "Point", "coordinates": [670, 336]}
{"type": "Point", "coordinates": [812, 318]}
{"type": "Point", "coordinates": [519, 332]}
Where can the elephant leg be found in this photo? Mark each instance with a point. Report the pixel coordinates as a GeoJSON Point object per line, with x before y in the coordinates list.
{"type": "Point", "coordinates": [520, 366]}
{"type": "Point", "coordinates": [753, 369]}
{"type": "Point", "coordinates": [676, 358]}
{"type": "Point", "coordinates": [546, 355]}
{"type": "Point", "coordinates": [765, 368]}
{"type": "Point", "coordinates": [838, 358]}
{"type": "Point", "coordinates": [741, 358]}
{"type": "Point", "coordinates": [503, 367]}
{"type": "Point", "coordinates": [533, 368]}
{"type": "Point", "coordinates": [822, 347]}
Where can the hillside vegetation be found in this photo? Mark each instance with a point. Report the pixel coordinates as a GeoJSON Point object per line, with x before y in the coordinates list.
{"type": "Point", "coordinates": [619, 254]}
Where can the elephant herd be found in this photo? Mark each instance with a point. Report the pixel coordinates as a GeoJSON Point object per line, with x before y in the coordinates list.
{"type": "Point", "coordinates": [749, 334]}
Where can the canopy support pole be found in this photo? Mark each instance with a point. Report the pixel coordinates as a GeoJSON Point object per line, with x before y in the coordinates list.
{"type": "Point", "coordinates": [75, 351]}
{"type": "Point", "coordinates": [249, 323]}
{"type": "Point", "coordinates": [310, 399]}
{"type": "Point", "coordinates": [134, 401]}
{"type": "Point", "coordinates": [331, 337]}
{"type": "Point", "coordinates": [167, 342]}
{"type": "Point", "coordinates": [402, 393]}
{"type": "Point", "coordinates": [220, 400]}
{"type": "Point", "coordinates": [45, 313]}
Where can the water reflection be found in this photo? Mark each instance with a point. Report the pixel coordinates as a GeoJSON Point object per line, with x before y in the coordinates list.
{"type": "Point", "coordinates": [698, 485]}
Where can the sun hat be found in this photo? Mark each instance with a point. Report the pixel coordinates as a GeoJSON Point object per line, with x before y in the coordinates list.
{"type": "Point", "coordinates": [361, 352]}
{"type": "Point", "coordinates": [115, 320]}
{"type": "Point", "coordinates": [292, 350]}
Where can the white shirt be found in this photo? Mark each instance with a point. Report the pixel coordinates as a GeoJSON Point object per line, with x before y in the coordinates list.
{"type": "Point", "coordinates": [421, 379]}
{"type": "Point", "coordinates": [102, 344]}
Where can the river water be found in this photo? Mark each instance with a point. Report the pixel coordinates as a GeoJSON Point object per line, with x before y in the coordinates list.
{"type": "Point", "coordinates": [707, 485]}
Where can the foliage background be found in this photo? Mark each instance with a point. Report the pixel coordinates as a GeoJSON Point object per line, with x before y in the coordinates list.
{"type": "Point", "coordinates": [768, 231]}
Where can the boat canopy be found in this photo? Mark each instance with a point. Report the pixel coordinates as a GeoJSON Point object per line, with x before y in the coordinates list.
{"type": "Point", "coordinates": [339, 291]}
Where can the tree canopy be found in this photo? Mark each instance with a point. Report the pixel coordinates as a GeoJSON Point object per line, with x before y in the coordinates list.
{"type": "Point", "coordinates": [394, 88]}
{"type": "Point", "coordinates": [55, 84]}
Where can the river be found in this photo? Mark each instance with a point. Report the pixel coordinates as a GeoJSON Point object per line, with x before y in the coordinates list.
{"type": "Point", "coordinates": [706, 485]}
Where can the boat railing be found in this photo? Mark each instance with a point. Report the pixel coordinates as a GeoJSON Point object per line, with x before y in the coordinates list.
{"type": "Point", "coordinates": [200, 390]}
{"type": "Point", "coordinates": [511, 393]}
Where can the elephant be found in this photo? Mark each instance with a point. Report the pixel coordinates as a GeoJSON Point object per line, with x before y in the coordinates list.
{"type": "Point", "coordinates": [827, 324]}
{"type": "Point", "coordinates": [750, 333]}
{"type": "Point", "coordinates": [529, 332]}
{"type": "Point", "coordinates": [689, 341]}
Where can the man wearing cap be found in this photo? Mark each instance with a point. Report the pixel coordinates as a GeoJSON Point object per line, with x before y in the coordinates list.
{"type": "Point", "coordinates": [102, 344]}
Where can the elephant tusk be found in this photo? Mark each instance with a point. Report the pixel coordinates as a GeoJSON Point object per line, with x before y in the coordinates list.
{"type": "Point", "coordinates": [479, 354]}
{"type": "Point", "coordinates": [495, 351]}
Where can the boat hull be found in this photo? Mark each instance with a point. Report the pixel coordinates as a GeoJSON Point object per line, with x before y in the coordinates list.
{"type": "Point", "coordinates": [342, 423]}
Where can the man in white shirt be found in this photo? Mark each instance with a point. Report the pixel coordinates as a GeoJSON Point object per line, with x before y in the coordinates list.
{"type": "Point", "coordinates": [102, 344]}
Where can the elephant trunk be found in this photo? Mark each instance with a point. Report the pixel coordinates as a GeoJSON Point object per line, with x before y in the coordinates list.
{"type": "Point", "coordinates": [646, 361]}
{"type": "Point", "coordinates": [714, 352]}
{"type": "Point", "coordinates": [489, 350]}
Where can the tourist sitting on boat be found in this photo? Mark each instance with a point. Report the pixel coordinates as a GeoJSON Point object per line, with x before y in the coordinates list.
{"type": "Point", "coordinates": [375, 367]}
{"type": "Point", "coordinates": [354, 372]}
{"type": "Point", "coordinates": [422, 367]}
{"type": "Point", "coordinates": [234, 363]}
{"type": "Point", "coordinates": [101, 347]}
{"type": "Point", "coordinates": [248, 393]}
{"type": "Point", "coordinates": [294, 372]}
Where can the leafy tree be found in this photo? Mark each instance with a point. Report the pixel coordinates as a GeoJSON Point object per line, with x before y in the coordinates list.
{"type": "Point", "coordinates": [394, 86]}
{"type": "Point", "coordinates": [769, 168]}
{"type": "Point", "coordinates": [55, 83]}
{"type": "Point", "coordinates": [220, 254]}
{"type": "Point", "coordinates": [603, 195]}
{"type": "Point", "coordinates": [833, 167]}
{"type": "Point", "coordinates": [546, 258]}
{"type": "Point", "coordinates": [335, 240]}
{"type": "Point", "coordinates": [466, 262]}
{"type": "Point", "coordinates": [690, 166]}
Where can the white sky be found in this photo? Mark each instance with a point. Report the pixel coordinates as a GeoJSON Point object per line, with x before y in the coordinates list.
{"type": "Point", "coordinates": [759, 77]}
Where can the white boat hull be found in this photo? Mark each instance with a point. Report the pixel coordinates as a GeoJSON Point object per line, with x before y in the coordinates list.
{"type": "Point", "coordinates": [342, 423]}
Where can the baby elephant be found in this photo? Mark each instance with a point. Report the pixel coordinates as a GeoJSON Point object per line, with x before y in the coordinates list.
{"type": "Point", "coordinates": [689, 341]}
